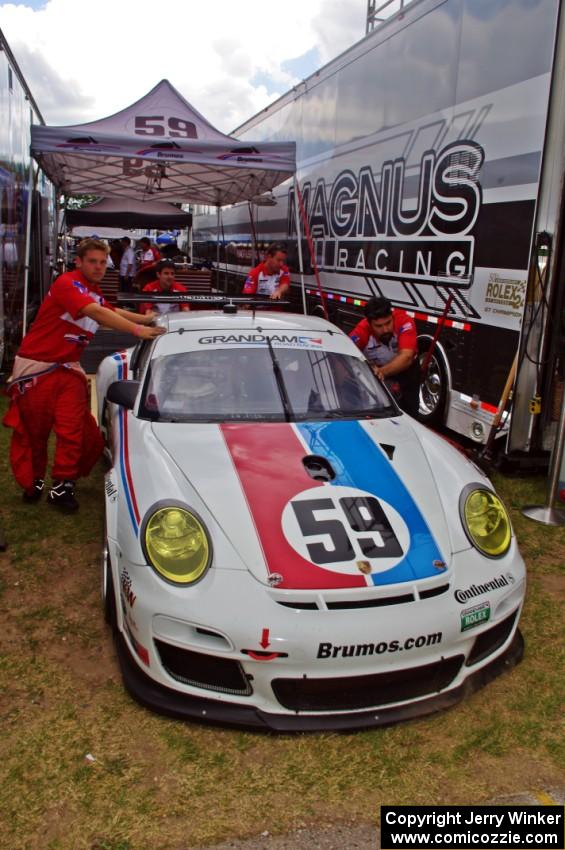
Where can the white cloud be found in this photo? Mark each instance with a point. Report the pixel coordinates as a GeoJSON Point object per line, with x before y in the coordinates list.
{"type": "Point", "coordinates": [338, 26]}
{"type": "Point", "coordinates": [83, 63]}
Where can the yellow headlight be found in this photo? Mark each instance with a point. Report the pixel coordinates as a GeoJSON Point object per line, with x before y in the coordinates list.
{"type": "Point", "coordinates": [487, 522]}
{"type": "Point", "coordinates": [177, 545]}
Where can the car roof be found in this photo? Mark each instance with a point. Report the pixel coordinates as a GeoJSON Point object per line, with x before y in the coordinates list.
{"type": "Point", "coordinates": [216, 329]}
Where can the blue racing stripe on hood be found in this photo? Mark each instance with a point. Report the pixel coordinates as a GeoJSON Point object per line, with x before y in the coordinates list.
{"type": "Point", "coordinates": [358, 462]}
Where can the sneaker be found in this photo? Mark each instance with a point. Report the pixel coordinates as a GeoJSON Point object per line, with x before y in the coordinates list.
{"type": "Point", "coordinates": [33, 494]}
{"type": "Point", "coordinates": [62, 495]}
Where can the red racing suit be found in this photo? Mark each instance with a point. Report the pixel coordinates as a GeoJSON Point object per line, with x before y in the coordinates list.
{"type": "Point", "coordinates": [404, 385]}
{"type": "Point", "coordinates": [49, 390]}
{"type": "Point", "coordinates": [149, 257]}
{"type": "Point", "coordinates": [155, 286]}
{"type": "Point", "coordinates": [260, 282]}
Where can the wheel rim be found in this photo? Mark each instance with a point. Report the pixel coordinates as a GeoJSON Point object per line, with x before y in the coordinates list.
{"type": "Point", "coordinates": [431, 388]}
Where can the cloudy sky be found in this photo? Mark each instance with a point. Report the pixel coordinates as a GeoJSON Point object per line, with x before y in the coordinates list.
{"type": "Point", "coordinates": [84, 61]}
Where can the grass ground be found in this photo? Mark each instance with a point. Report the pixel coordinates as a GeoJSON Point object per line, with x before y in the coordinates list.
{"type": "Point", "coordinates": [82, 767]}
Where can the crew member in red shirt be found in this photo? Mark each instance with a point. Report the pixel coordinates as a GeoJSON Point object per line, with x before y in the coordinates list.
{"type": "Point", "coordinates": [48, 387]}
{"type": "Point", "coordinates": [165, 284]}
{"type": "Point", "coordinates": [270, 278]}
{"type": "Point", "coordinates": [388, 339]}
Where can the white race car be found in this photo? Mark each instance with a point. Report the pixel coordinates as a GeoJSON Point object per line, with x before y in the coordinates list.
{"type": "Point", "coordinates": [285, 550]}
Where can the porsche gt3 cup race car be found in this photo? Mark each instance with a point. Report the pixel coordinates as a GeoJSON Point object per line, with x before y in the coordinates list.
{"type": "Point", "coordinates": [285, 550]}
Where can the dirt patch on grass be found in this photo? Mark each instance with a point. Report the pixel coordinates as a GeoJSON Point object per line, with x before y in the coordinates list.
{"type": "Point", "coordinates": [554, 585]}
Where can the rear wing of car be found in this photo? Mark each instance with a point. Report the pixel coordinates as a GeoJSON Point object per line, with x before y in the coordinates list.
{"type": "Point", "coordinates": [220, 302]}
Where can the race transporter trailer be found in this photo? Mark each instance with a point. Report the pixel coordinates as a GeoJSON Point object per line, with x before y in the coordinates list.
{"type": "Point", "coordinates": [27, 207]}
{"type": "Point", "coordinates": [430, 164]}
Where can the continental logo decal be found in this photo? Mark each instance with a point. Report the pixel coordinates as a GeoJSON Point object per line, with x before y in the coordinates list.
{"type": "Point", "coordinates": [503, 580]}
{"type": "Point", "coordinates": [259, 339]}
{"type": "Point", "coordinates": [356, 650]}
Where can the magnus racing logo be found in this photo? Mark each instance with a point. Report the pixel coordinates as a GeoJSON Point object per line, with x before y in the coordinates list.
{"type": "Point", "coordinates": [399, 224]}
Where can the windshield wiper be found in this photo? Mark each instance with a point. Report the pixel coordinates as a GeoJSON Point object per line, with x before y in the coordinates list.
{"type": "Point", "coordinates": [288, 413]}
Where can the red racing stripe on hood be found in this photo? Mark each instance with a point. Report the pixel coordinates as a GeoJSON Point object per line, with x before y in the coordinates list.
{"type": "Point", "coordinates": [268, 461]}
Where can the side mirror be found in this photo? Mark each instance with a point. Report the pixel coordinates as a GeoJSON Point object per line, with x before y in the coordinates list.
{"type": "Point", "coordinates": [123, 393]}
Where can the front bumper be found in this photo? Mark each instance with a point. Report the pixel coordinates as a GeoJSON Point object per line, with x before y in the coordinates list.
{"type": "Point", "coordinates": [337, 666]}
{"type": "Point", "coordinates": [152, 695]}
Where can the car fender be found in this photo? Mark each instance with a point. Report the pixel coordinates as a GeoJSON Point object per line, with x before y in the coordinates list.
{"type": "Point", "coordinates": [145, 475]}
{"type": "Point", "coordinates": [451, 472]}
{"type": "Point", "coordinates": [115, 367]}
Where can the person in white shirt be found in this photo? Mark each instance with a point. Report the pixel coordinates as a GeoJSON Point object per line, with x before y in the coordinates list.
{"type": "Point", "coordinates": [127, 265]}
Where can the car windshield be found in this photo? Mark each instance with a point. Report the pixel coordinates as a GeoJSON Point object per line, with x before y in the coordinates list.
{"type": "Point", "coordinates": [261, 384]}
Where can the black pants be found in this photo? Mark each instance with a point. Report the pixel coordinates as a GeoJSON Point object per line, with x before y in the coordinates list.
{"type": "Point", "coordinates": [126, 283]}
{"type": "Point", "coordinates": [405, 388]}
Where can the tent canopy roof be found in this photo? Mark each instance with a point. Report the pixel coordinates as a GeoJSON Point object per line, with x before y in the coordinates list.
{"type": "Point", "coordinates": [160, 148]}
{"type": "Point", "coordinates": [128, 212]}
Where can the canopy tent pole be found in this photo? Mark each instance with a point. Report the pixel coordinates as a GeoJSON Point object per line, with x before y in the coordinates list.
{"type": "Point", "coordinates": [299, 244]}
{"type": "Point", "coordinates": [300, 200]}
{"type": "Point", "coordinates": [189, 244]}
{"type": "Point", "coordinates": [218, 247]}
{"type": "Point", "coordinates": [55, 236]}
{"type": "Point", "coordinates": [64, 229]}
{"type": "Point", "coordinates": [30, 191]}
{"type": "Point", "coordinates": [254, 251]}
{"type": "Point", "coordinates": [225, 253]}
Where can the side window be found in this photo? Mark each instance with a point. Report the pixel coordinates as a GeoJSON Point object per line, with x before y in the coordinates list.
{"type": "Point", "coordinates": [139, 358]}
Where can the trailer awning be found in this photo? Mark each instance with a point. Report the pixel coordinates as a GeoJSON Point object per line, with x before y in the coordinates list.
{"type": "Point", "coordinates": [129, 213]}
{"type": "Point", "coordinates": [160, 148]}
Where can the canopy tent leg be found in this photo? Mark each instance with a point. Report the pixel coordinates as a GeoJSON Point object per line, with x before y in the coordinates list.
{"type": "Point", "coordinates": [64, 232]}
{"type": "Point", "coordinates": [254, 251]}
{"type": "Point", "coordinates": [30, 191]}
{"type": "Point", "coordinates": [299, 244]}
{"type": "Point", "coordinates": [226, 276]}
{"type": "Point", "coordinates": [218, 247]}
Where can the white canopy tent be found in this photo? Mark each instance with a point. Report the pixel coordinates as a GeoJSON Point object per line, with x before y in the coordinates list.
{"type": "Point", "coordinates": [161, 149]}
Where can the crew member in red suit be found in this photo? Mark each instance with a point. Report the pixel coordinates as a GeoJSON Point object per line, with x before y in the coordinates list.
{"type": "Point", "coordinates": [165, 284]}
{"type": "Point", "coordinates": [388, 339]}
{"type": "Point", "coordinates": [270, 278]}
{"type": "Point", "coordinates": [149, 254]}
{"type": "Point", "coordinates": [48, 387]}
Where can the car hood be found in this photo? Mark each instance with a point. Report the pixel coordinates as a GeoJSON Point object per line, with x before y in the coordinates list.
{"type": "Point", "coordinates": [376, 519]}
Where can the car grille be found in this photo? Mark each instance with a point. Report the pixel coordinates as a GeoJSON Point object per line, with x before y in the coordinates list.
{"type": "Point", "coordinates": [203, 671]}
{"type": "Point", "coordinates": [366, 601]}
{"type": "Point", "coordinates": [490, 640]}
{"type": "Point", "coordinates": [356, 692]}
{"type": "Point", "coordinates": [377, 602]}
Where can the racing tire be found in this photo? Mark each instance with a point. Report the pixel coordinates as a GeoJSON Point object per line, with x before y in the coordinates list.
{"type": "Point", "coordinates": [318, 311]}
{"type": "Point", "coordinates": [434, 387]}
{"type": "Point", "coordinates": [104, 422]}
{"type": "Point", "coordinates": [106, 430]}
{"type": "Point", "coordinates": [108, 593]}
